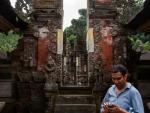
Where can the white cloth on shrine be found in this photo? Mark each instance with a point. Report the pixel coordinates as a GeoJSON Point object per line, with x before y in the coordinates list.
{"type": "Point", "coordinates": [90, 40]}
{"type": "Point", "coordinates": [59, 41]}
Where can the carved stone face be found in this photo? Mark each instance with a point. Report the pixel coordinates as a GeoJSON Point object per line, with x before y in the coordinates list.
{"type": "Point", "coordinates": [43, 32]}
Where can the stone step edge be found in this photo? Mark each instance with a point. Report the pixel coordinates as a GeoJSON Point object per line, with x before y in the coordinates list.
{"type": "Point", "coordinates": [74, 95]}
{"type": "Point", "coordinates": [93, 105]}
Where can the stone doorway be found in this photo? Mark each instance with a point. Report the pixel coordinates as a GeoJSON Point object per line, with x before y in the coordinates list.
{"type": "Point", "coordinates": [74, 59]}
{"type": "Point", "coordinates": [75, 69]}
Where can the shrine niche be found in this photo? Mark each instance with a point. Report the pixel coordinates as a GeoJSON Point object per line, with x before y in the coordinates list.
{"type": "Point", "coordinates": [43, 43]}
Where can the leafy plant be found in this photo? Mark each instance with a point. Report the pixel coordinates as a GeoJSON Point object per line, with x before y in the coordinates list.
{"type": "Point", "coordinates": [140, 42]}
{"type": "Point", "coordinates": [8, 42]}
{"type": "Point", "coordinates": [71, 39]}
{"type": "Point", "coordinates": [77, 28]}
{"type": "Point", "coordinates": [127, 9]}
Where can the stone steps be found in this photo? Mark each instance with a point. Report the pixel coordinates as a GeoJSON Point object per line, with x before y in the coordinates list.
{"type": "Point", "coordinates": [75, 108]}
{"type": "Point", "coordinates": [75, 100]}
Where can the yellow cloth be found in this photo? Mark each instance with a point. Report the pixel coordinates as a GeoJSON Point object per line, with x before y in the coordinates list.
{"type": "Point", "coordinates": [90, 40]}
{"type": "Point", "coordinates": [59, 41]}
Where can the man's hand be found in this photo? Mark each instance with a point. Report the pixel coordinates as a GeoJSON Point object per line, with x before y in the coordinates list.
{"type": "Point", "coordinates": [117, 109]}
{"type": "Point", "coordinates": [105, 108]}
{"type": "Point", "coordinates": [112, 109]}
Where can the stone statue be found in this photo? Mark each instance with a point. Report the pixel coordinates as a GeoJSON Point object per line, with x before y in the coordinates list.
{"type": "Point", "coordinates": [50, 71]}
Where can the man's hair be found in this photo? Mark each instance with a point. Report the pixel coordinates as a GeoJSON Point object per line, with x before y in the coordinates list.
{"type": "Point", "coordinates": [119, 68]}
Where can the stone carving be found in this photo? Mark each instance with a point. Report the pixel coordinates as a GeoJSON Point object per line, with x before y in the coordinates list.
{"type": "Point", "coordinates": [25, 76]}
{"type": "Point", "coordinates": [43, 32]}
{"type": "Point", "coordinates": [45, 4]}
{"type": "Point", "coordinates": [103, 1]}
{"type": "Point", "coordinates": [28, 76]}
{"type": "Point", "coordinates": [29, 52]}
{"type": "Point", "coordinates": [51, 73]}
{"type": "Point", "coordinates": [98, 3]}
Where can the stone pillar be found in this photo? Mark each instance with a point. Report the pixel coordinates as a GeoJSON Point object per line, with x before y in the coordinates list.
{"type": "Point", "coordinates": [48, 19]}
{"type": "Point", "coordinates": [108, 36]}
{"type": "Point", "coordinates": [101, 19]}
{"type": "Point", "coordinates": [48, 16]}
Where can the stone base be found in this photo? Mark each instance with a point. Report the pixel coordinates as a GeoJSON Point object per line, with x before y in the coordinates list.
{"type": "Point", "coordinates": [2, 104]}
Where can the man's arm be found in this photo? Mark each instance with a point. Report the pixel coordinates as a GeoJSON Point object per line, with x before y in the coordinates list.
{"type": "Point", "coordinates": [136, 101]}
{"type": "Point", "coordinates": [103, 104]}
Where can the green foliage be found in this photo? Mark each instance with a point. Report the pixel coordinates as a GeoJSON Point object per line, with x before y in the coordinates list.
{"type": "Point", "coordinates": [71, 39]}
{"type": "Point", "coordinates": [78, 27]}
{"type": "Point", "coordinates": [8, 42]}
{"type": "Point", "coordinates": [140, 42]}
{"type": "Point", "coordinates": [127, 9]}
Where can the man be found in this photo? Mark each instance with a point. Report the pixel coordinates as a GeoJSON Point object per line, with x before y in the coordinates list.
{"type": "Point", "coordinates": [122, 97]}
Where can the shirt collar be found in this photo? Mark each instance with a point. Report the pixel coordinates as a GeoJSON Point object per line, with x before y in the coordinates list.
{"type": "Point", "coordinates": [128, 85]}
{"type": "Point", "coordinates": [112, 91]}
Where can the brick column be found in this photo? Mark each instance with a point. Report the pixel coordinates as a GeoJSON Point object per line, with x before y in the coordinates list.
{"type": "Point", "coordinates": [101, 19]}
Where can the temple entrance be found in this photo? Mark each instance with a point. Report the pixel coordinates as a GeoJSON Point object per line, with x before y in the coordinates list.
{"type": "Point", "coordinates": [74, 59]}
{"type": "Point", "coordinates": [68, 75]}
{"type": "Point", "coordinates": [47, 74]}
{"type": "Point", "coordinates": [75, 69]}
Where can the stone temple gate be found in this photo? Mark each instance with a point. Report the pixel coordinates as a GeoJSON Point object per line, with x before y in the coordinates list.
{"type": "Point", "coordinates": [39, 61]}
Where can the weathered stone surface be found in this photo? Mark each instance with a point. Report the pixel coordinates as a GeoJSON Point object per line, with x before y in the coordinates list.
{"type": "Point", "coordinates": [6, 89]}
{"type": "Point", "coordinates": [108, 36]}
{"type": "Point", "coordinates": [49, 4]}
{"type": "Point", "coordinates": [2, 105]}
{"type": "Point", "coordinates": [29, 52]}
{"type": "Point", "coordinates": [73, 108]}
{"type": "Point", "coordinates": [42, 52]}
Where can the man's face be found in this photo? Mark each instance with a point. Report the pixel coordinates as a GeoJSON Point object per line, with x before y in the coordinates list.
{"type": "Point", "coordinates": [119, 80]}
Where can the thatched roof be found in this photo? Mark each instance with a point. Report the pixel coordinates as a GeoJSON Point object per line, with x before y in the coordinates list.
{"type": "Point", "coordinates": [142, 19]}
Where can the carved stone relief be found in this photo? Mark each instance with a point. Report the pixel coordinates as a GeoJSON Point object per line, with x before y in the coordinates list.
{"type": "Point", "coordinates": [46, 4]}
{"type": "Point", "coordinates": [29, 55]}
{"type": "Point", "coordinates": [51, 73]}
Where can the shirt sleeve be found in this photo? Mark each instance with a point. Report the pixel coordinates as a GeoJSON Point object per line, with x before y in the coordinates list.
{"type": "Point", "coordinates": [137, 102]}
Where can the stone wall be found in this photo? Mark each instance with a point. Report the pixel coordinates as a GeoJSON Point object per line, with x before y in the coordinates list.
{"type": "Point", "coordinates": [108, 36]}
{"type": "Point", "coordinates": [31, 58]}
